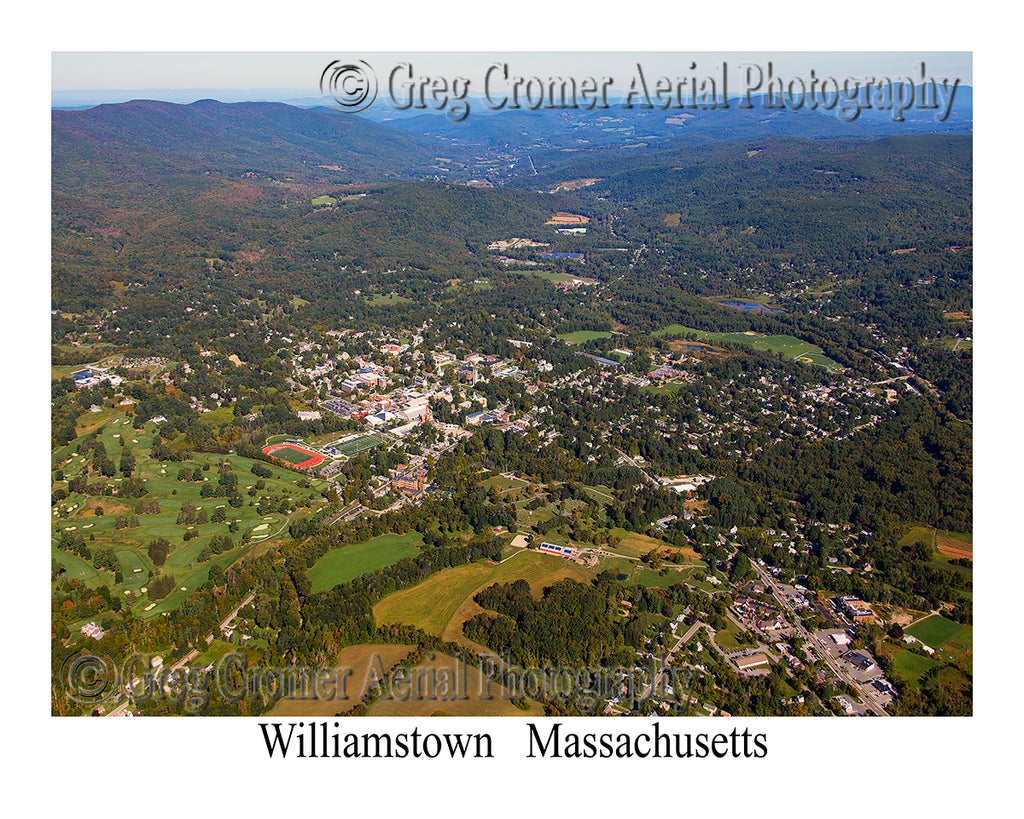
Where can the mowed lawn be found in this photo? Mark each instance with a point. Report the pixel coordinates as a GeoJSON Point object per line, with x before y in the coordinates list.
{"type": "Point", "coordinates": [911, 667]}
{"type": "Point", "coordinates": [349, 562]}
{"type": "Point", "coordinates": [430, 605]}
{"type": "Point", "coordinates": [77, 515]}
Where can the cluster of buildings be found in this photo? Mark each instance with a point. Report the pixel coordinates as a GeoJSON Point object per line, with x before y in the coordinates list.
{"type": "Point", "coordinates": [762, 616]}
{"type": "Point", "coordinates": [93, 376]}
{"type": "Point", "coordinates": [856, 610]}
{"type": "Point", "coordinates": [409, 480]}
{"type": "Point", "coordinates": [515, 243]}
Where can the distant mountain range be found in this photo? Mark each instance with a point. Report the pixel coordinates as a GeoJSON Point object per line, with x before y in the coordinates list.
{"type": "Point", "coordinates": [131, 141]}
{"type": "Point", "coordinates": [134, 139]}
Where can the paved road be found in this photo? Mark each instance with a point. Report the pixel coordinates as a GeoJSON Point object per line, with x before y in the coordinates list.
{"type": "Point", "coordinates": [120, 710]}
{"type": "Point", "coordinates": [820, 649]}
{"type": "Point", "coordinates": [631, 462]}
{"type": "Point", "coordinates": [671, 653]}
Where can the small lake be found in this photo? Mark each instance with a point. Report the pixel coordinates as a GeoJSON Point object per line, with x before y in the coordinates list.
{"type": "Point", "coordinates": [746, 305]}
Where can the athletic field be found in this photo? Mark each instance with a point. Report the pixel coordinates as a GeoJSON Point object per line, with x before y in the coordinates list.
{"type": "Point", "coordinates": [295, 455]}
{"type": "Point", "coordinates": [356, 445]}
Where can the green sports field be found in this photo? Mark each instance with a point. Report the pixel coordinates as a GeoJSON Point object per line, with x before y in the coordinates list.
{"type": "Point", "coordinates": [787, 346]}
{"type": "Point", "coordinates": [357, 445]}
{"type": "Point", "coordinates": [935, 631]}
{"type": "Point", "coordinates": [292, 456]}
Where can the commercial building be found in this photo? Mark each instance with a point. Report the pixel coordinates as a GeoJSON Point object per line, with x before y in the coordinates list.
{"type": "Point", "coordinates": [750, 661]}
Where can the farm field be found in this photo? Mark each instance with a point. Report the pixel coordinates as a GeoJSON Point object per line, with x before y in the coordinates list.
{"type": "Point", "coordinates": [951, 544]}
{"type": "Point", "coordinates": [787, 346]}
{"type": "Point", "coordinates": [442, 667]}
{"type": "Point", "coordinates": [637, 545]}
{"type": "Point", "coordinates": [349, 562]}
{"type": "Point", "coordinates": [430, 605]}
{"type": "Point", "coordinates": [365, 662]}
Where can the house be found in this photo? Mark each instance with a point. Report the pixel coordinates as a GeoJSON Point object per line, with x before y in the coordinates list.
{"type": "Point", "coordinates": [92, 630]}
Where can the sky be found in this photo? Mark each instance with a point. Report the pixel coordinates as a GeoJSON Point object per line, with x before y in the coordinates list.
{"type": "Point", "coordinates": [88, 77]}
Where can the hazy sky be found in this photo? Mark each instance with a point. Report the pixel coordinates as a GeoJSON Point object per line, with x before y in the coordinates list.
{"type": "Point", "coordinates": [300, 71]}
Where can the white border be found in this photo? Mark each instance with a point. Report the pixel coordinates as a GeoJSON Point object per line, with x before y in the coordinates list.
{"type": "Point", "coordinates": [833, 766]}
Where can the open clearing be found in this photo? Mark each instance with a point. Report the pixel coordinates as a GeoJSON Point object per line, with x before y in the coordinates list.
{"type": "Point", "coordinates": [955, 545]}
{"type": "Point", "coordinates": [389, 300]}
{"type": "Point", "coordinates": [951, 544]}
{"type": "Point", "coordinates": [637, 545]}
{"type": "Point", "coordinates": [787, 346]}
{"type": "Point", "coordinates": [432, 604]}
{"type": "Point", "coordinates": [911, 667]}
{"type": "Point", "coordinates": [583, 335]}
{"type": "Point", "coordinates": [433, 673]}
{"type": "Point", "coordinates": [349, 562]}
{"type": "Point", "coordinates": [366, 663]}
